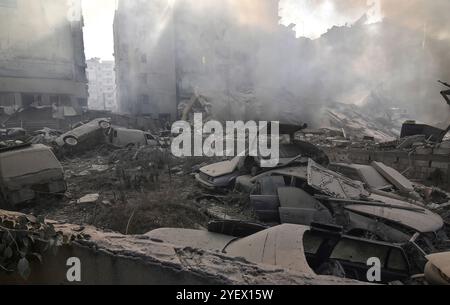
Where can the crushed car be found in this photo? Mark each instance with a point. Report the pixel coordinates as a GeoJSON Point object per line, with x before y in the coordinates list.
{"type": "Point", "coordinates": [316, 250]}
{"type": "Point", "coordinates": [27, 171]}
{"type": "Point", "coordinates": [302, 195]}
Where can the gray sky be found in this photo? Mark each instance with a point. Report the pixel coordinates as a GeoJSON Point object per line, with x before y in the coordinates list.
{"type": "Point", "coordinates": [98, 30]}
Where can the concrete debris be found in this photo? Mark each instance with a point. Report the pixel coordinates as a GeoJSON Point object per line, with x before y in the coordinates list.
{"type": "Point", "coordinates": [393, 176]}
{"type": "Point", "coordinates": [91, 198]}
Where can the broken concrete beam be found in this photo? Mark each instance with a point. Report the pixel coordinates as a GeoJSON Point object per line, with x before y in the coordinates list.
{"type": "Point", "coordinates": [113, 258]}
{"type": "Point", "coordinates": [394, 177]}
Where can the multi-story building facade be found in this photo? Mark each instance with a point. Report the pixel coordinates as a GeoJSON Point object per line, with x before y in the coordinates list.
{"type": "Point", "coordinates": [165, 51]}
{"type": "Point", "coordinates": [42, 59]}
{"type": "Point", "coordinates": [102, 84]}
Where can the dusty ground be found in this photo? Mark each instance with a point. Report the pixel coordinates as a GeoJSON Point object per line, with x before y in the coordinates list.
{"type": "Point", "coordinates": [136, 193]}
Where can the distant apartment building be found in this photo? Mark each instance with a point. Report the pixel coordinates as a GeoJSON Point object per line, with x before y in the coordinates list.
{"type": "Point", "coordinates": [102, 84]}
{"type": "Point", "coordinates": [42, 62]}
{"type": "Point", "coordinates": [166, 51]}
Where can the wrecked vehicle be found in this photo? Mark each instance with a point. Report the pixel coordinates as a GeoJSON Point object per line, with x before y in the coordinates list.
{"type": "Point", "coordinates": [434, 134]}
{"type": "Point", "coordinates": [45, 136]}
{"type": "Point", "coordinates": [309, 194]}
{"type": "Point", "coordinates": [224, 174]}
{"type": "Point", "coordinates": [437, 270]}
{"type": "Point", "coordinates": [27, 171]}
{"type": "Point", "coordinates": [379, 179]}
{"type": "Point", "coordinates": [12, 134]}
{"type": "Point", "coordinates": [316, 250]}
{"type": "Point", "coordinates": [219, 175]}
{"type": "Point", "coordinates": [86, 133]}
{"type": "Point", "coordinates": [124, 137]}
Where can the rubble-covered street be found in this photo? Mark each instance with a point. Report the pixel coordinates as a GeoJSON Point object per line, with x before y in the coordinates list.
{"type": "Point", "coordinates": [238, 142]}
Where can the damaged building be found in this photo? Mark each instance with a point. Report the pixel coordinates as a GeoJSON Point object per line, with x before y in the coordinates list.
{"type": "Point", "coordinates": [355, 174]}
{"type": "Point", "coordinates": [102, 84]}
{"type": "Point", "coordinates": [42, 67]}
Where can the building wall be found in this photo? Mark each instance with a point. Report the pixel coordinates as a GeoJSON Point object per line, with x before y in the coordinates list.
{"type": "Point", "coordinates": [102, 85]}
{"type": "Point", "coordinates": [42, 53]}
{"type": "Point", "coordinates": [166, 54]}
{"type": "Point", "coordinates": [145, 62]}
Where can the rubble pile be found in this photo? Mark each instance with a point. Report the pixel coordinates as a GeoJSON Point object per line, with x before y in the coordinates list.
{"type": "Point", "coordinates": [143, 190]}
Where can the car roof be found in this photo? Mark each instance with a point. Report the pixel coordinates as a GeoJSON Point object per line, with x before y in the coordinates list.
{"type": "Point", "coordinates": [24, 148]}
{"type": "Point", "coordinates": [280, 246]}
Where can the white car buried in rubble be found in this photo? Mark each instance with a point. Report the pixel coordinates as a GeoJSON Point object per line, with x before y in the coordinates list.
{"type": "Point", "coordinates": [306, 194]}
{"type": "Point", "coordinates": [311, 250]}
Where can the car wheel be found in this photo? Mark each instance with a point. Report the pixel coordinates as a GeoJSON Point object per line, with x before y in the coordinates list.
{"type": "Point", "coordinates": [104, 124]}
{"type": "Point", "coordinates": [71, 141]}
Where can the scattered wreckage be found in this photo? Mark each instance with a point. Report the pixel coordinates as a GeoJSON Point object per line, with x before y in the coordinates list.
{"type": "Point", "coordinates": [302, 195]}
{"type": "Point", "coordinates": [27, 171]}
{"type": "Point", "coordinates": [124, 138]}
{"type": "Point", "coordinates": [379, 179]}
{"type": "Point", "coordinates": [316, 250]}
{"type": "Point", "coordinates": [224, 174]}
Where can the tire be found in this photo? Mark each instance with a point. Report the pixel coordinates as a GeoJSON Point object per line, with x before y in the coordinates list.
{"type": "Point", "coordinates": [71, 141]}
{"type": "Point", "coordinates": [104, 124]}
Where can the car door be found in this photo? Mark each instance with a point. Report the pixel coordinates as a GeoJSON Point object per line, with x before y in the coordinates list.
{"type": "Point", "coordinates": [357, 255]}
{"type": "Point", "coordinates": [264, 198]}
{"type": "Point", "coordinates": [298, 207]}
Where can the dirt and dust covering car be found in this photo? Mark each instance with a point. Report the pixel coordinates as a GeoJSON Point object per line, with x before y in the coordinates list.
{"type": "Point", "coordinates": [27, 171]}
{"type": "Point", "coordinates": [302, 195]}
{"type": "Point", "coordinates": [437, 270]}
{"type": "Point", "coordinates": [224, 174]}
{"type": "Point", "coordinates": [124, 137]}
{"type": "Point", "coordinates": [316, 250]}
{"type": "Point", "coordinates": [92, 132]}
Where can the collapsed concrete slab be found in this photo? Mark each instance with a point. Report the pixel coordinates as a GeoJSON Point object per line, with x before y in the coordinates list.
{"type": "Point", "coordinates": [112, 258]}
{"type": "Point", "coordinates": [394, 177]}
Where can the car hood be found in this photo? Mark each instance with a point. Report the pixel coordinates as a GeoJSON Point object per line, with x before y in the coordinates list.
{"type": "Point", "coordinates": [221, 168]}
{"type": "Point", "coordinates": [422, 220]}
{"type": "Point", "coordinates": [280, 246]}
